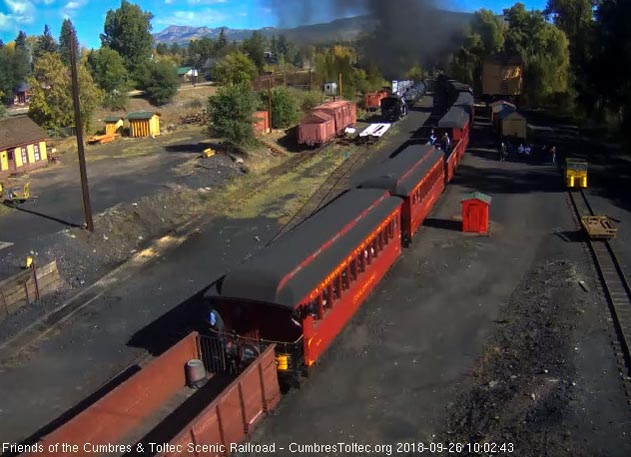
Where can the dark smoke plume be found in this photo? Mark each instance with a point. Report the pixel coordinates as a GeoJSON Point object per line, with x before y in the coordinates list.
{"type": "Point", "coordinates": [407, 31]}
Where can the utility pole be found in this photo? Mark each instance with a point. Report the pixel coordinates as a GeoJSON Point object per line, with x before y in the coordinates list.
{"type": "Point", "coordinates": [340, 78]}
{"type": "Point", "coordinates": [79, 129]}
{"type": "Point", "coordinates": [269, 103]}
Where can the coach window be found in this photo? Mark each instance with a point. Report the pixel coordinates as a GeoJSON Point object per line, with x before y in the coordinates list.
{"type": "Point", "coordinates": [326, 297]}
{"type": "Point", "coordinates": [345, 279]}
{"type": "Point", "coordinates": [336, 288]}
{"type": "Point", "coordinates": [354, 270]}
{"type": "Point", "coordinates": [361, 262]}
{"type": "Point", "coordinates": [319, 307]}
{"type": "Point", "coordinates": [374, 248]}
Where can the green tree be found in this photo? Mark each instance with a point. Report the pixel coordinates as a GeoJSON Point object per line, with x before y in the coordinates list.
{"type": "Point", "coordinates": [543, 47]}
{"type": "Point", "coordinates": [235, 68]}
{"type": "Point", "coordinates": [20, 40]}
{"type": "Point", "coordinates": [162, 49]}
{"type": "Point", "coordinates": [108, 70]}
{"type": "Point", "coordinates": [45, 43]}
{"type": "Point", "coordinates": [51, 104]}
{"type": "Point", "coordinates": [490, 29]}
{"type": "Point", "coordinates": [254, 47]}
{"type": "Point", "coordinates": [222, 42]}
{"type": "Point", "coordinates": [231, 112]}
{"type": "Point", "coordinates": [612, 55]}
{"type": "Point", "coordinates": [284, 108]}
{"type": "Point", "coordinates": [127, 31]}
{"type": "Point", "coordinates": [14, 68]}
{"type": "Point", "coordinates": [415, 72]}
{"type": "Point", "coordinates": [3, 109]}
{"type": "Point", "coordinates": [161, 83]}
{"type": "Point", "coordinates": [65, 37]}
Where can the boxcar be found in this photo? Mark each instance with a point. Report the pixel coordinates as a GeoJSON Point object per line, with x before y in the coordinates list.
{"type": "Point", "coordinates": [372, 100]}
{"type": "Point", "coordinates": [343, 112]}
{"type": "Point", "coordinates": [417, 175]}
{"type": "Point", "coordinates": [317, 128]}
{"type": "Point", "coordinates": [301, 291]}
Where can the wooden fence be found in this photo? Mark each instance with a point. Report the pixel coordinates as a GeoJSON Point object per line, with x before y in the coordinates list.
{"type": "Point", "coordinates": [26, 287]}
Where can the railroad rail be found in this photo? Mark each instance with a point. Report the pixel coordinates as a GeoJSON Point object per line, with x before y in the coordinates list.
{"type": "Point", "coordinates": [329, 189]}
{"type": "Point", "coordinates": [615, 285]}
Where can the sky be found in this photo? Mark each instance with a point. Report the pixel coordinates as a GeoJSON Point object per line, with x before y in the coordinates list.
{"type": "Point", "coordinates": [88, 16]}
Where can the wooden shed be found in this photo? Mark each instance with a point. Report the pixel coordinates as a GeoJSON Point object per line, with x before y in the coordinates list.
{"type": "Point", "coordinates": [512, 124]}
{"type": "Point", "coordinates": [144, 124]}
{"type": "Point", "coordinates": [113, 123]}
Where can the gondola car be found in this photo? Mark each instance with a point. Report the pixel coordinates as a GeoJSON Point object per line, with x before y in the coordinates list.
{"type": "Point", "coordinates": [302, 290]}
{"type": "Point", "coordinates": [417, 175]}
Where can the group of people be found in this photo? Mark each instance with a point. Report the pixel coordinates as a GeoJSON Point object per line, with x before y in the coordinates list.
{"type": "Point", "coordinates": [444, 143]}
{"type": "Point", "coordinates": [526, 150]}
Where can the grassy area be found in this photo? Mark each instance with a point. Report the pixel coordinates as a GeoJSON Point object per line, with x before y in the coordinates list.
{"type": "Point", "coordinates": [4, 209]}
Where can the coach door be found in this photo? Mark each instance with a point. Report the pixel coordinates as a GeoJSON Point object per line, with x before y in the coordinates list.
{"type": "Point", "coordinates": [11, 159]}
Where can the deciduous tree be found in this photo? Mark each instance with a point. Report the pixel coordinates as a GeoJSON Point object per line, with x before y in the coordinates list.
{"type": "Point", "coordinates": [108, 70]}
{"type": "Point", "coordinates": [51, 104]}
{"type": "Point", "coordinates": [231, 113]}
{"type": "Point", "coordinates": [161, 83]}
{"type": "Point", "coordinates": [127, 31]}
{"type": "Point", "coordinates": [235, 68]}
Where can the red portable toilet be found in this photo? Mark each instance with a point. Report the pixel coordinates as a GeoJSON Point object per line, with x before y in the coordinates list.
{"type": "Point", "coordinates": [475, 213]}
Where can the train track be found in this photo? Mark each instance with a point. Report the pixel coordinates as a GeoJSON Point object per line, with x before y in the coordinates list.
{"type": "Point", "coordinates": [615, 287]}
{"type": "Point", "coordinates": [335, 183]}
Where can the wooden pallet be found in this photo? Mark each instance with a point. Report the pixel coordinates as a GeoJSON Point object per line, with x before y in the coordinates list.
{"type": "Point", "coordinates": [599, 227]}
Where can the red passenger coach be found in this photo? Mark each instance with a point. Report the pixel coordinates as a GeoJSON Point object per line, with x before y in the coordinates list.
{"type": "Point", "coordinates": [417, 175]}
{"type": "Point", "coordinates": [301, 291]}
{"type": "Point", "coordinates": [456, 124]}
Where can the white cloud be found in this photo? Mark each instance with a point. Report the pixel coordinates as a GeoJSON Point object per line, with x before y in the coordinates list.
{"type": "Point", "coordinates": [71, 7]}
{"type": "Point", "coordinates": [206, 2]}
{"type": "Point", "coordinates": [19, 12]}
{"type": "Point", "coordinates": [198, 18]}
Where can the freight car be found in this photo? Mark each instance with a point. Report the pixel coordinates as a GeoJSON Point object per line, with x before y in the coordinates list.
{"type": "Point", "coordinates": [326, 121]}
{"type": "Point", "coordinates": [372, 100]}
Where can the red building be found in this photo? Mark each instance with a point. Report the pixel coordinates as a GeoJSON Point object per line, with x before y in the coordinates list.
{"type": "Point", "coordinates": [475, 213]}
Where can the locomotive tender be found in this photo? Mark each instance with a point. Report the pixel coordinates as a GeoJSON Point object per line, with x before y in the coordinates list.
{"type": "Point", "coordinates": [301, 291]}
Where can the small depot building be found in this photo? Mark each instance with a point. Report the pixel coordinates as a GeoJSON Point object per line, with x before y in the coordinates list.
{"type": "Point", "coordinates": [143, 124]}
{"type": "Point", "coordinates": [113, 123]}
{"type": "Point", "coordinates": [22, 146]}
{"type": "Point", "coordinates": [475, 213]}
{"type": "Point", "coordinates": [261, 122]}
{"type": "Point", "coordinates": [512, 124]}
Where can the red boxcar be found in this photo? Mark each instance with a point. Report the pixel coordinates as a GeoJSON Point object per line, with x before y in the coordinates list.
{"type": "Point", "coordinates": [317, 128]}
{"type": "Point", "coordinates": [343, 112]}
{"type": "Point", "coordinates": [417, 175]}
{"type": "Point", "coordinates": [372, 100]}
{"type": "Point", "coordinates": [301, 291]}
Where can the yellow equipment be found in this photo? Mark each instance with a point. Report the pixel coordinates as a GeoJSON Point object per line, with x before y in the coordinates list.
{"type": "Point", "coordinates": [208, 152]}
{"type": "Point", "coordinates": [29, 262]}
{"type": "Point", "coordinates": [575, 173]}
{"type": "Point", "coordinates": [599, 227]}
{"type": "Point", "coordinates": [15, 194]}
{"type": "Point", "coordinates": [282, 360]}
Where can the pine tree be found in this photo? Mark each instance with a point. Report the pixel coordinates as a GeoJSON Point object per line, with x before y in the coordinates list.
{"type": "Point", "coordinates": [20, 41]}
{"type": "Point", "coordinates": [67, 30]}
{"type": "Point", "coordinates": [45, 43]}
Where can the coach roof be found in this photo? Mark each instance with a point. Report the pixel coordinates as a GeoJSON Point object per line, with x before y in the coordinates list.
{"type": "Point", "coordinates": [456, 117]}
{"type": "Point", "coordinates": [402, 173]}
{"type": "Point", "coordinates": [288, 270]}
